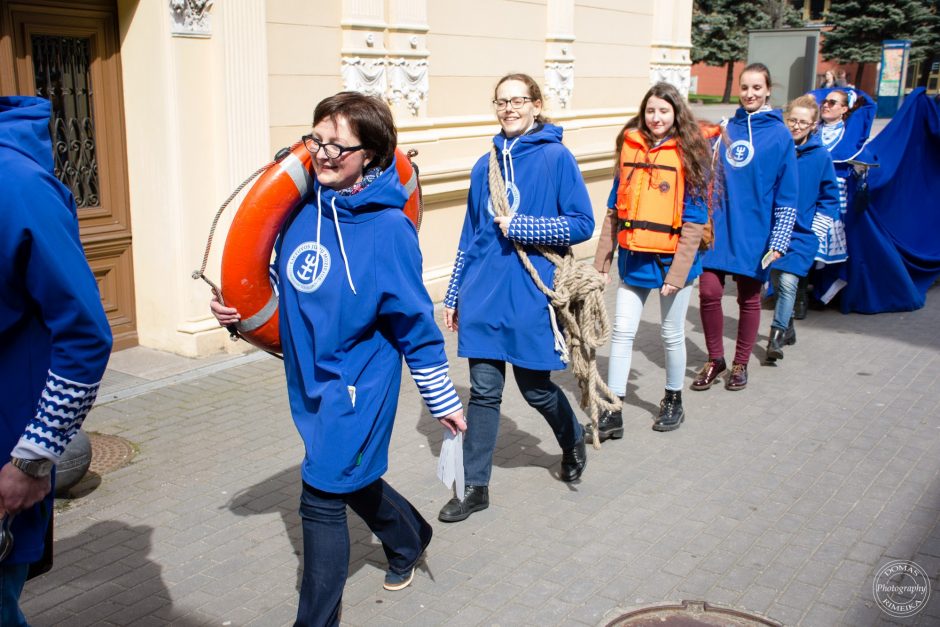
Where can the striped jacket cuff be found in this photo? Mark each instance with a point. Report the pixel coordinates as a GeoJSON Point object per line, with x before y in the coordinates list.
{"type": "Point", "coordinates": [62, 408]}
{"type": "Point", "coordinates": [437, 390]}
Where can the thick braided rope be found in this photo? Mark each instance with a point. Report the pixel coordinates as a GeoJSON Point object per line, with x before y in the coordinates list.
{"type": "Point", "coordinates": [578, 300]}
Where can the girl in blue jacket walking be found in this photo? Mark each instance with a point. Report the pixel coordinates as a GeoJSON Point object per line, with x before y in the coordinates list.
{"type": "Point", "coordinates": [752, 224]}
{"type": "Point", "coordinates": [817, 209]}
{"type": "Point", "coordinates": [503, 317]}
{"type": "Point", "coordinates": [351, 304]}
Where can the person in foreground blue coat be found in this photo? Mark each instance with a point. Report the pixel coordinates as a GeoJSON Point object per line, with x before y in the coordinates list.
{"type": "Point", "coordinates": [352, 303]}
{"type": "Point", "coordinates": [817, 208]}
{"type": "Point", "coordinates": [54, 336]}
{"type": "Point", "coordinates": [752, 224]}
{"type": "Point", "coordinates": [501, 314]}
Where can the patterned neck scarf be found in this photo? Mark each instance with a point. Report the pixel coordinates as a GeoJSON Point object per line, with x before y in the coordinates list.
{"type": "Point", "coordinates": [367, 178]}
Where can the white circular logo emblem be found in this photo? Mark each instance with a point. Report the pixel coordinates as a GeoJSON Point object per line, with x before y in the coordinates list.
{"type": "Point", "coordinates": [512, 194]}
{"type": "Point", "coordinates": [740, 153]}
{"type": "Point", "coordinates": [308, 266]}
{"type": "Point", "coordinates": [901, 588]}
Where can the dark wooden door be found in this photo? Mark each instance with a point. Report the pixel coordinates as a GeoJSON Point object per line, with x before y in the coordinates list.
{"type": "Point", "coordinates": [69, 53]}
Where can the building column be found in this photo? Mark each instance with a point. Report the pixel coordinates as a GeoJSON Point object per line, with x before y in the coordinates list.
{"type": "Point", "coordinates": [559, 54]}
{"type": "Point", "coordinates": [671, 44]}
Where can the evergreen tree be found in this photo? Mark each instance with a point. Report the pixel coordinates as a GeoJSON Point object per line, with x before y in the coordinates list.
{"type": "Point", "coordinates": [720, 28]}
{"type": "Point", "coordinates": [859, 28]}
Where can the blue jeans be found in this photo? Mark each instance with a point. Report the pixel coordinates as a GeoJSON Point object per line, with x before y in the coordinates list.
{"type": "Point", "coordinates": [395, 521]}
{"type": "Point", "coordinates": [12, 579]}
{"type": "Point", "coordinates": [627, 314]}
{"type": "Point", "coordinates": [487, 378]}
{"type": "Point", "coordinates": [785, 285]}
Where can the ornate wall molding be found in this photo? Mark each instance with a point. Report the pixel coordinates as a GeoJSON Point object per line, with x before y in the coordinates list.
{"type": "Point", "coordinates": [679, 76]}
{"type": "Point", "coordinates": [408, 82]}
{"type": "Point", "coordinates": [190, 18]}
{"type": "Point", "coordinates": [559, 82]}
{"type": "Point", "coordinates": [366, 75]}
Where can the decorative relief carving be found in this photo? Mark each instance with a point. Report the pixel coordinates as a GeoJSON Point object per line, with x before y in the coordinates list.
{"type": "Point", "coordinates": [365, 75]}
{"type": "Point", "coordinates": [408, 82]}
{"type": "Point", "coordinates": [559, 82]}
{"type": "Point", "coordinates": [191, 18]}
{"type": "Point", "coordinates": [679, 76]}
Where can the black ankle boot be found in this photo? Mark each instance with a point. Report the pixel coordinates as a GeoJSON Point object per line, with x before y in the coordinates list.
{"type": "Point", "coordinates": [475, 498]}
{"type": "Point", "coordinates": [609, 426]}
{"type": "Point", "coordinates": [789, 336]}
{"type": "Point", "coordinates": [671, 413]}
{"type": "Point", "coordinates": [775, 344]}
{"type": "Point", "coordinates": [801, 304]}
{"type": "Point", "coordinates": [573, 461]}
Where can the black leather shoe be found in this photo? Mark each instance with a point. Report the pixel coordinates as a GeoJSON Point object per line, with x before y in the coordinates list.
{"type": "Point", "coordinates": [609, 426]}
{"type": "Point", "coordinates": [671, 413]}
{"type": "Point", "coordinates": [573, 461]}
{"type": "Point", "coordinates": [801, 304]}
{"type": "Point", "coordinates": [709, 373]}
{"type": "Point", "coordinates": [775, 344]}
{"type": "Point", "coordinates": [475, 499]}
{"type": "Point", "coordinates": [737, 380]}
{"type": "Point", "coordinates": [789, 336]}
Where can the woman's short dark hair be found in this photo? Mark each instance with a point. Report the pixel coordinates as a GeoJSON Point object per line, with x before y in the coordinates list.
{"type": "Point", "coordinates": [533, 88]}
{"type": "Point", "coordinates": [369, 118]}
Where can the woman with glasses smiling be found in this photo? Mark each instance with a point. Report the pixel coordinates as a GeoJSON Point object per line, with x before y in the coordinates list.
{"type": "Point", "coordinates": [494, 302]}
{"type": "Point", "coordinates": [817, 208]}
{"type": "Point", "coordinates": [351, 305]}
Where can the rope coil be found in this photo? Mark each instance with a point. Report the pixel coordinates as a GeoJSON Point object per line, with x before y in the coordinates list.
{"type": "Point", "coordinates": [577, 300]}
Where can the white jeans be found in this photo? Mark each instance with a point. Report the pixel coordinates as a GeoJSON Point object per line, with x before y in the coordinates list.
{"type": "Point", "coordinates": [629, 309]}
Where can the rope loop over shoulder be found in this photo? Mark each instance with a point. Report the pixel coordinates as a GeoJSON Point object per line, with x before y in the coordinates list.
{"type": "Point", "coordinates": [576, 300]}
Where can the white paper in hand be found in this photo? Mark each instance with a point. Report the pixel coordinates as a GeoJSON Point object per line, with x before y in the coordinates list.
{"type": "Point", "coordinates": [450, 464]}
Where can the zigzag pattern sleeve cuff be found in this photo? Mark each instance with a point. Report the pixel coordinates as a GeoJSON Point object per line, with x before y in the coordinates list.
{"type": "Point", "coordinates": [540, 231]}
{"type": "Point", "coordinates": [784, 218]}
{"type": "Point", "coordinates": [437, 390]}
{"type": "Point", "coordinates": [62, 409]}
{"type": "Point", "coordinates": [450, 298]}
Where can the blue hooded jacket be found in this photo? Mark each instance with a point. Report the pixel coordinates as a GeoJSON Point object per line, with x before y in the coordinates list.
{"type": "Point", "coordinates": [502, 314]}
{"type": "Point", "coordinates": [54, 336]}
{"type": "Point", "coordinates": [352, 302]}
{"type": "Point", "coordinates": [817, 207]}
{"type": "Point", "coordinates": [757, 210]}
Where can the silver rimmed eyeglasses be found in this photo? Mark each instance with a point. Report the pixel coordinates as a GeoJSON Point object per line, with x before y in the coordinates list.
{"type": "Point", "coordinates": [331, 150]}
{"type": "Point", "coordinates": [800, 124]}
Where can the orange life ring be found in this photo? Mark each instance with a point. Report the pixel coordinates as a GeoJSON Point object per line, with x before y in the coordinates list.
{"type": "Point", "coordinates": [246, 257]}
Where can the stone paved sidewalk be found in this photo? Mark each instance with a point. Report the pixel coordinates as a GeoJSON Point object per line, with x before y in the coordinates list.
{"type": "Point", "coordinates": [782, 499]}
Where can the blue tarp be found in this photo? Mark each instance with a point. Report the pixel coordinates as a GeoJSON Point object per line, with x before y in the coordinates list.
{"type": "Point", "coordinates": [894, 238]}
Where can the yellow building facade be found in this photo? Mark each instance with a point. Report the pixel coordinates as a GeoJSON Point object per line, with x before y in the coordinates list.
{"type": "Point", "coordinates": [201, 93]}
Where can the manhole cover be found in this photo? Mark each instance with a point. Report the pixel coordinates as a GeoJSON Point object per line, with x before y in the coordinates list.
{"type": "Point", "coordinates": [690, 614]}
{"type": "Point", "coordinates": [109, 452]}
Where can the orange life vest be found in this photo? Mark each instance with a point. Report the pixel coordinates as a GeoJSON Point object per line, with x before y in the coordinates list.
{"type": "Point", "coordinates": [650, 195]}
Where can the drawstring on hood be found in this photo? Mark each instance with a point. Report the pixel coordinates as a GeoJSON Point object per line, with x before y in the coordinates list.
{"type": "Point", "coordinates": [339, 236]}
{"type": "Point", "coordinates": [509, 171]}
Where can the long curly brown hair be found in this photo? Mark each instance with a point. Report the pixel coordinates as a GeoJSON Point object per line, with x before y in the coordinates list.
{"type": "Point", "coordinates": [694, 150]}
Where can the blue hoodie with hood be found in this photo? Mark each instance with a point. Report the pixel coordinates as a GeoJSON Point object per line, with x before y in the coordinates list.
{"type": "Point", "coordinates": [758, 209]}
{"type": "Point", "coordinates": [817, 206]}
{"type": "Point", "coordinates": [54, 336]}
{"type": "Point", "coordinates": [502, 315]}
{"type": "Point", "coordinates": [352, 303]}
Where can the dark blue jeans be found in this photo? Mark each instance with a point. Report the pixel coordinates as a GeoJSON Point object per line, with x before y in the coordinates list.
{"type": "Point", "coordinates": [395, 521]}
{"type": "Point", "coordinates": [487, 377]}
{"type": "Point", "coordinates": [12, 578]}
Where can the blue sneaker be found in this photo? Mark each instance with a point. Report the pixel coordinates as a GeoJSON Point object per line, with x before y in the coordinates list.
{"type": "Point", "coordinates": [398, 581]}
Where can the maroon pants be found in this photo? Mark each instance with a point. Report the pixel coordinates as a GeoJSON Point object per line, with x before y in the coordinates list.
{"type": "Point", "coordinates": [711, 288]}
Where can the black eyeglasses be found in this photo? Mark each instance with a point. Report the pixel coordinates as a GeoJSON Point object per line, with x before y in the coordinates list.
{"type": "Point", "coordinates": [833, 102]}
{"type": "Point", "coordinates": [332, 151]}
{"type": "Point", "coordinates": [517, 102]}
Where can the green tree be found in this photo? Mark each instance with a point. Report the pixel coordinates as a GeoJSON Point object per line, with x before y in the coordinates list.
{"type": "Point", "coordinates": [720, 28]}
{"type": "Point", "coordinates": [859, 28]}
